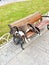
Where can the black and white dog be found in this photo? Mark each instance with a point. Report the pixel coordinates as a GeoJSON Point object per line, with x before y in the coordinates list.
{"type": "Point", "coordinates": [18, 36]}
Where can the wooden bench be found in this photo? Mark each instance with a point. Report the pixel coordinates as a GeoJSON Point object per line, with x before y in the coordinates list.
{"type": "Point", "coordinates": [31, 19]}
{"type": "Point", "coordinates": [35, 19]}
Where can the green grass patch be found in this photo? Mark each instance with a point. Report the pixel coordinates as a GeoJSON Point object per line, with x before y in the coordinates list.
{"type": "Point", "coordinates": [14, 11]}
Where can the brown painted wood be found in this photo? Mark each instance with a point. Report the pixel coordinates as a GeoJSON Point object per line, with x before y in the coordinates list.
{"type": "Point", "coordinates": [41, 25]}
{"type": "Point", "coordinates": [30, 19]}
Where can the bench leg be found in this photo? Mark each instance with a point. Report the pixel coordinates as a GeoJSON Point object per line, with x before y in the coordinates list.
{"type": "Point", "coordinates": [34, 29]}
{"type": "Point", "coordinates": [37, 30]}
{"type": "Point", "coordinates": [48, 27]}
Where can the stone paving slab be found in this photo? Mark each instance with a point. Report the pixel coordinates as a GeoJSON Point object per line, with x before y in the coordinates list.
{"type": "Point", "coordinates": [10, 51]}
{"type": "Point", "coordinates": [44, 44]}
{"type": "Point", "coordinates": [33, 54]}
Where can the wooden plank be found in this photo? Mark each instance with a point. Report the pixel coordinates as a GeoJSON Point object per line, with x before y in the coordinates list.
{"type": "Point", "coordinates": [42, 24]}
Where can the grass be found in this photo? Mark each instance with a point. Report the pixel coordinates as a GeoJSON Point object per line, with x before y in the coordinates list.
{"type": "Point", "coordinates": [14, 11]}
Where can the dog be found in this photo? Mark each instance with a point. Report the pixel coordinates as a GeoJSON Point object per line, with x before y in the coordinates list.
{"type": "Point", "coordinates": [18, 36]}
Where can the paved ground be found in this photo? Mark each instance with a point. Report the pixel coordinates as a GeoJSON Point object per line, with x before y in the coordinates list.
{"type": "Point", "coordinates": [4, 2]}
{"type": "Point", "coordinates": [36, 51]}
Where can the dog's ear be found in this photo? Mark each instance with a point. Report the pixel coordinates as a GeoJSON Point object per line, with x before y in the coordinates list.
{"type": "Point", "coordinates": [15, 27]}
{"type": "Point", "coordinates": [10, 28]}
{"type": "Point", "coordinates": [11, 31]}
{"type": "Point", "coordinates": [9, 25]}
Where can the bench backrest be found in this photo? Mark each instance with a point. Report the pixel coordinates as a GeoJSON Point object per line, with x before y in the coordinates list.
{"type": "Point", "coordinates": [29, 19]}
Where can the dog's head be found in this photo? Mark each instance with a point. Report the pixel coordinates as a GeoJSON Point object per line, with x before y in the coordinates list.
{"type": "Point", "coordinates": [13, 30]}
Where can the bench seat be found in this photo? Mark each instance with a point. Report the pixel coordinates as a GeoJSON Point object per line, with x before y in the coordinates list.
{"type": "Point", "coordinates": [40, 25]}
